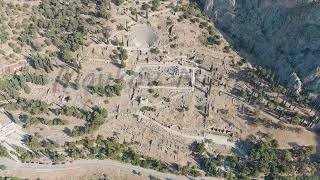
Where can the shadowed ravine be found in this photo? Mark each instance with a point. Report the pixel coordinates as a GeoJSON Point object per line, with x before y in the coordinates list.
{"type": "Point", "coordinates": [282, 35]}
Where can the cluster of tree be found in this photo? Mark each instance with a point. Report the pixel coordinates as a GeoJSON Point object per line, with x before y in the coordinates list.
{"type": "Point", "coordinates": [119, 56]}
{"type": "Point", "coordinates": [15, 47]}
{"type": "Point", "coordinates": [34, 107]}
{"type": "Point", "coordinates": [71, 111]}
{"type": "Point", "coordinates": [99, 148]}
{"type": "Point", "coordinates": [102, 148]}
{"type": "Point", "coordinates": [36, 79]}
{"type": "Point", "coordinates": [261, 73]}
{"type": "Point", "coordinates": [32, 121]}
{"type": "Point", "coordinates": [210, 40]}
{"type": "Point", "coordinates": [94, 119]}
{"type": "Point", "coordinates": [263, 159]}
{"type": "Point", "coordinates": [66, 56]}
{"type": "Point", "coordinates": [227, 49]}
{"type": "Point", "coordinates": [123, 54]}
{"type": "Point", "coordinates": [107, 90]}
{"type": "Point", "coordinates": [32, 142]}
{"type": "Point", "coordinates": [193, 12]}
{"type": "Point", "coordinates": [155, 50]}
{"type": "Point", "coordinates": [3, 152]}
{"type": "Point", "coordinates": [280, 107]}
{"type": "Point", "coordinates": [66, 81]}
{"type": "Point", "coordinates": [74, 41]}
{"type": "Point", "coordinates": [4, 36]}
{"type": "Point", "coordinates": [61, 23]}
{"type": "Point", "coordinates": [37, 62]}
{"type": "Point", "coordinates": [203, 24]}
{"type": "Point", "coordinates": [213, 38]}
{"type": "Point", "coordinates": [145, 6]}
{"type": "Point", "coordinates": [103, 7]}
{"type": "Point", "coordinates": [189, 10]}
{"type": "Point", "coordinates": [55, 156]}
{"type": "Point", "coordinates": [148, 108]}
{"type": "Point", "coordinates": [130, 72]}
{"type": "Point", "coordinates": [130, 156]}
{"type": "Point", "coordinates": [23, 154]}
{"type": "Point", "coordinates": [155, 83]}
{"type": "Point", "coordinates": [134, 12]}
{"type": "Point", "coordinates": [60, 17]}
{"type": "Point", "coordinates": [45, 147]}
{"type": "Point", "coordinates": [269, 123]}
{"type": "Point", "coordinates": [12, 86]}
{"type": "Point", "coordinates": [16, 83]}
{"type": "Point", "coordinates": [119, 2]}
{"type": "Point", "coordinates": [64, 25]}
{"type": "Point", "coordinates": [208, 163]}
{"type": "Point", "coordinates": [155, 4]}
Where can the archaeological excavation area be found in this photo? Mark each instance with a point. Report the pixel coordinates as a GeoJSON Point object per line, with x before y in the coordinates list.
{"type": "Point", "coordinates": [146, 89]}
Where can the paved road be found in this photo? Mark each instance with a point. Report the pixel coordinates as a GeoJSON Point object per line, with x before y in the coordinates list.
{"type": "Point", "coordinates": [16, 166]}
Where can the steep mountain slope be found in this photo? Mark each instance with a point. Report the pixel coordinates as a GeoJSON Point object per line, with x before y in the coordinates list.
{"type": "Point", "coordinates": [281, 34]}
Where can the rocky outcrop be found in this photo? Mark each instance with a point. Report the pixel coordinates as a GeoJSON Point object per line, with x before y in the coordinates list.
{"type": "Point", "coordinates": [281, 34]}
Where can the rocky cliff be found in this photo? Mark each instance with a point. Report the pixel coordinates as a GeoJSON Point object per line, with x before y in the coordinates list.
{"type": "Point", "coordinates": [281, 34]}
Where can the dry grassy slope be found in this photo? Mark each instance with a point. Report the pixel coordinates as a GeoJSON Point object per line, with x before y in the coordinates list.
{"type": "Point", "coordinates": [282, 34]}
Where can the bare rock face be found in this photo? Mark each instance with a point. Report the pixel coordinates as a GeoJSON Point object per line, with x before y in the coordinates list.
{"type": "Point", "coordinates": [281, 34]}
